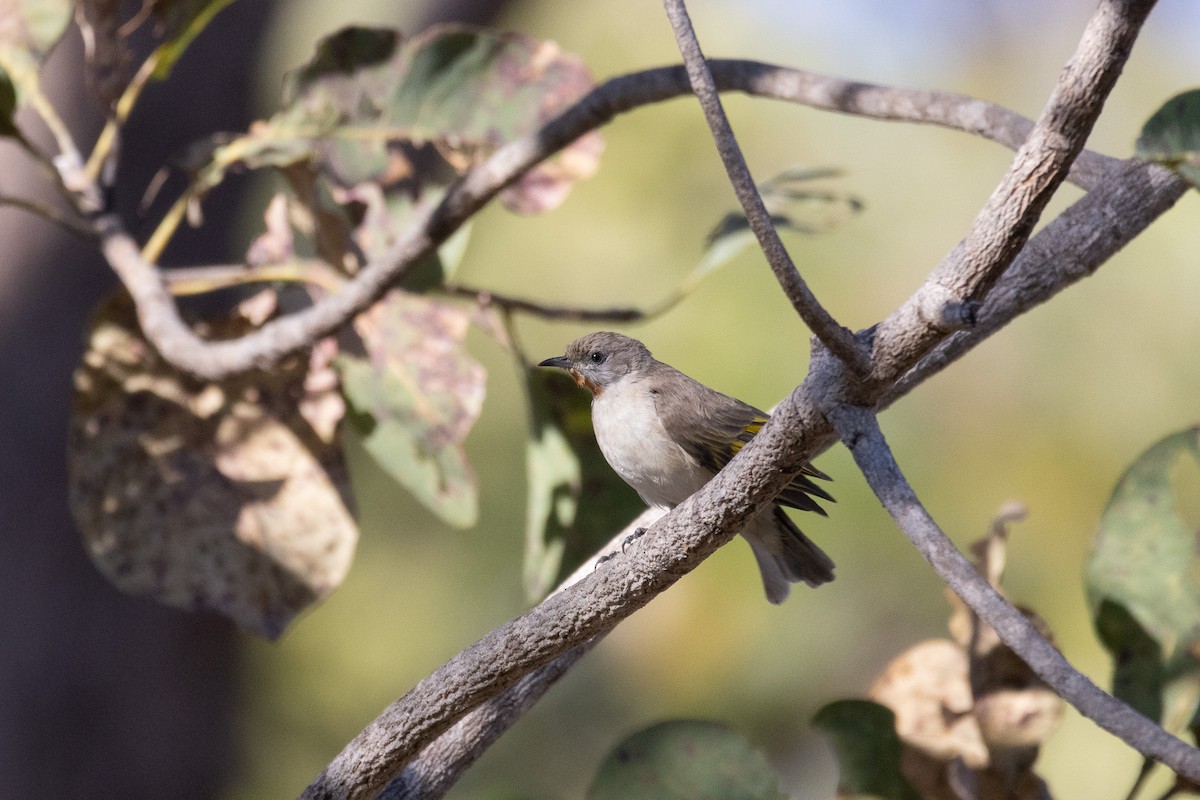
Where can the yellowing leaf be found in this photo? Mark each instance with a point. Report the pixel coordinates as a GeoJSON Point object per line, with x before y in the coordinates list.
{"type": "Point", "coordinates": [411, 114]}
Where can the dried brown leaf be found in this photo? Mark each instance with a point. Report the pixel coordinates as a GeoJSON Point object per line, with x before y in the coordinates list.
{"type": "Point", "coordinates": [927, 688]}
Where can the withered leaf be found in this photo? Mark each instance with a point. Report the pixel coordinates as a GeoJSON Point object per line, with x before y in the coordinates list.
{"type": "Point", "coordinates": [204, 495]}
{"type": "Point", "coordinates": [927, 688]}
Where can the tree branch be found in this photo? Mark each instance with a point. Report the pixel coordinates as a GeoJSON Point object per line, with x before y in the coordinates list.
{"type": "Point", "coordinates": [795, 434]}
{"type": "Point", "coordinates": [838, 339]}
{"type": "Point", "coordinates": [1068, 250]}
{"type": "Point", "coordinates": [215, 360]}
{"type": "Point", "coordinates": [945, 300]}
{"type": "Point", "coordinates": [859, 430]}
{"type": "Point", "coordinates": [431, 774]}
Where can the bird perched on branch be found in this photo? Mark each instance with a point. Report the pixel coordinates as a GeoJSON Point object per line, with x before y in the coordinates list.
{"type": "Point", "coordinates": [666, 435]}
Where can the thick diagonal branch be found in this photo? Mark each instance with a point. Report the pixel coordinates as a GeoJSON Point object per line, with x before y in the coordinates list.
{"type": "Point", "coordinates": [839, 340]}
{"type": "Point", "coordinates": [946, 299]}
{"type": "Point", "coordinates": [432, 773]}
{"type": "Point", "coordinates": [859, 430]}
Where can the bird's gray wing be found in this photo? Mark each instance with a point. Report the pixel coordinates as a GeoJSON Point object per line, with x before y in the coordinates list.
{"type": "Point", "coordinates": [712, 427]}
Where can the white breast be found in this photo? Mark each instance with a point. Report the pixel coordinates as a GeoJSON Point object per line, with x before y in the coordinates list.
{"type": "Point", "coordinates": [638, 448]}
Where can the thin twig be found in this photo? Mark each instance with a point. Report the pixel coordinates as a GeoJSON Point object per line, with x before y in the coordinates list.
{"type": "Point", "coordinates": [69, 223]}
{"type": "Point", "coordinates": [199, 280]}
{"type": "Point", "coordinates": [858, 428]}
{"type": "Point", "coordinates": [106, 141]}
{"type": "Point", "coordinates": [68, 163]}
{"type": "Point", "coordinates": [545, 311]}
{"type": "Point", "coordinates": [838, 339]}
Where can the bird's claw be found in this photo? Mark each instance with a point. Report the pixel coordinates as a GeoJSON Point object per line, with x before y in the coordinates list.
{"type": "Point", "coordinates": [610, 556]}
{"type": "Point", "coordinates": [637, 534]}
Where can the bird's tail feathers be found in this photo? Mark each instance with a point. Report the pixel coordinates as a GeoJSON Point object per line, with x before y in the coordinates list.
{"type": "Point", "coordinates": [785, 555]}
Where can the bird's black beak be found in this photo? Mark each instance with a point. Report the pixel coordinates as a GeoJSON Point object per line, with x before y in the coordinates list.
{"type": "Point", "coordinates": [558, 361]}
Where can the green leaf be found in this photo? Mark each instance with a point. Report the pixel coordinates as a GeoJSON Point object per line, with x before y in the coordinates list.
{"type": "Point", "coordinates": [414, 399]}
{"type": "Point", "coordinates": [576, 501]}
{"type": "Point", "coordinates": [386, 125]}
{"type": "Point", "coordinates": [863, 737]}
{"type": "Point", "coordinates": [1139, 676]}
{"type": "Point", "coordinates": [1145, 554]}
{"type": "Point", "coordinates": [794, 204]}
{"type": "Point", "coordinates": [184, 20]}
{"type": "Point", "coordinates": [370, 106]}
{"type": "Point", "coordinates": [1172, 136]}
{"type": "Point", "coordinates": [686, 760]}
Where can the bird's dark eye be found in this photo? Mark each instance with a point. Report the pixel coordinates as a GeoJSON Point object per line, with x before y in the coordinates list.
{"type": "Point", "coordinates": [597, 357]}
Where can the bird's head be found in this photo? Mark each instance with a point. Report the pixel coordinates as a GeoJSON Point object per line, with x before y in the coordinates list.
{"type": "Point", "coordinates": [599, 360]}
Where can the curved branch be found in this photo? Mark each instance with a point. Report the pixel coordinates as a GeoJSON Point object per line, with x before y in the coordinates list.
{"type": "Point", "coordinates": [215, 360]}
{"type": "Point", "coordinates": [859, 430]}
{"type": "Point", "coordinates": [838, 339]}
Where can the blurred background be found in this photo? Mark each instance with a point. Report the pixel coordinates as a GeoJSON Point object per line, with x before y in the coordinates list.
{"type": "Point", "coordinates": [114, 696]}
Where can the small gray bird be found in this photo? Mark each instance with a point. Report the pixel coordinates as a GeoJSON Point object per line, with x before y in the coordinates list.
{"type": "Point", "coordinates": [666, 435]}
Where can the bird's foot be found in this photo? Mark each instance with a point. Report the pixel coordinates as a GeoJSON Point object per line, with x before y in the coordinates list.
{"type": "Point", "coordinates": [637, 534]}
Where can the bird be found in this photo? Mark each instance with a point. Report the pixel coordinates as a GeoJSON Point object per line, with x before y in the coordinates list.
{"type": "Point", "coordinates": [667, 435]}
